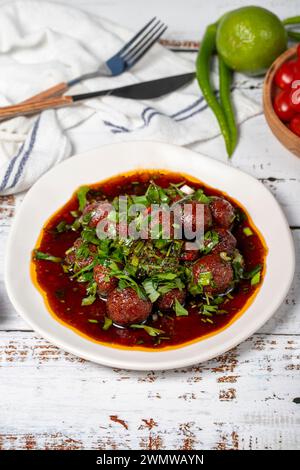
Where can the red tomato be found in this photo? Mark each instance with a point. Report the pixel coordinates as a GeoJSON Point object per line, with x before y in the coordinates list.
{"type": "Point", "coordinates": [294, 125]}
{"type": "Point", "coordinates": [287, 73]}
{"type": "Point", "coordinates": [298, 51]}
{"type": "Point", "coordinates": [282, 106]}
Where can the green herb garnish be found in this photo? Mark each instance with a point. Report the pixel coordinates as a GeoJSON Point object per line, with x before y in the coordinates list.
{"type": "Point", "coordinates": [218, 300]}
{"type": "Point", "coordinates": [125, 280]}
{"type": "Point", "coordinates": [252, 272]}
{"type": "Point", "coordinates": [156, 195]}
{"type": "Point", "coordinates": [152, 293]}
{"type": "Point", "coordinates": [238, 266]}
{"type": "Point", "coordinates": [75, 225]}
{"type": "Point", "coordinates": [247, 231]}
{"type": "Point", "coordinates": [149, 329]}
{"type": "Point", "coordinates": [107, 323]}
{"type": "Point", "coordinates": [201, 197]}
{"type": "Point", "coordinates": [208, 310]}
{"type": "Point", "coordinates": [88, 300]}
{"type": "Point", "coordinates": [46, 256]}
{"type": "Point", "coordinates": [180, 311]}
{"type": "Point", "coordinates": [62, 226]}
{"type": "Point", "coordinates": [81, 196]}
{"type": "Point", "coordinates": [255, 279]}
{"type": "Point", "coordinates": [211, 239]}
{"type": "Point", "coordinates": [140, 200]}
{"type": "Point", "coordinates": [74, 214]}
{"type": "Point", "coordinates": [204, 279]}
{"type": "Point", "coordinates": [174, 189]}
{"type": "Point", "coordinates": [83, 270]}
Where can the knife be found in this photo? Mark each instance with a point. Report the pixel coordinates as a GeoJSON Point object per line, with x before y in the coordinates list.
{"type": "Point", "coordinates": [138, 91]}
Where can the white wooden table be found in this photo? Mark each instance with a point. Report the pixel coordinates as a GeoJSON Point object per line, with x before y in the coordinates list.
{"type": "Point", "coordinates": [245, 399]}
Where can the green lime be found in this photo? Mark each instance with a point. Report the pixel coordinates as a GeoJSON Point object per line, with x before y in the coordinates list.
{"type": "Point", "coordinates": [250, 38]}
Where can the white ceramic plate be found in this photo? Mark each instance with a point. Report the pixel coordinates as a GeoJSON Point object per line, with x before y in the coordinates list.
{"type": "Point", "coordinates": [55, 188]}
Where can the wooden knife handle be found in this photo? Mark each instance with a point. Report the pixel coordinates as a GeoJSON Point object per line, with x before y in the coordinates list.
{"type": "Point", "coordinates": [55, 90]}
{"type": "Point", "coordinates": [23, 109]}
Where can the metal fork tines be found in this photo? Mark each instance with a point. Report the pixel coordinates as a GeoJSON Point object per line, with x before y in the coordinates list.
{"type": "Point", "coordinates": [130, 53]}
{"type": "Point", "coordinates": [134, 51]}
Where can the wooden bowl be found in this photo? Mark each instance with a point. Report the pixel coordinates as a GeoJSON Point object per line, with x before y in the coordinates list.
{"type": "Point", "coordinates": [290, 140]}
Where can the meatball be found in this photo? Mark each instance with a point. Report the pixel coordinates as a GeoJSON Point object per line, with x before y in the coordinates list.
{"type": "Point", "coordinates": [222, 211]}
{"type": "Point", "coordinates": [81, 258]}
{"type": "Point", "coordinates": [227, 242]}
{"type": "Point", "coordinates": [166, 302]}
{"type": "Point", "coordinates": [98, 211]}
{"type": "Point", "coordinates": [221, 272]}
{"type": "Point", "coordinates": [189, 214]}
{"type": "Point", "coordinates": [125, 307]}
{"type": "Point", "coordinates": [105, 283]}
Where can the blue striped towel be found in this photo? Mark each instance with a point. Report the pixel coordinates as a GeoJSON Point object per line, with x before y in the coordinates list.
{"type": "Point", "coordinates": [44, 43]}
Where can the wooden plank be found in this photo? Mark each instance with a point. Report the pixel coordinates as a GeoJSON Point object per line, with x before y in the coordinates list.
{"type": "Point", "coordinates": [241, 400]}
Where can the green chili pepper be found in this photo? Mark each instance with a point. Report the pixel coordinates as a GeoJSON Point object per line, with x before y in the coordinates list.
{"type": "Point", "coordinates": [291, 20]}
{"type": "Point", "coordinates": [225, 79]}
{"type": "Point", "coordinates": [293, 35]}
{"type": "Point", "coordinates": [206, 51]}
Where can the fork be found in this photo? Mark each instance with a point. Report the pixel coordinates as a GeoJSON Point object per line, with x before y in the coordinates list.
{"type": "Point", "coordinates": [123, 60]}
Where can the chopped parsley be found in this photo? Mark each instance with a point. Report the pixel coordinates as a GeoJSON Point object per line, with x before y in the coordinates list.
{"type": "Point", "coordinates": [208, 310]}
{"type": "Point", "coordinates": [107, 323]}
{"type": "Point", "coordinates": [62, 226]}
{"type": "Point", "coordinates": [156, 195]}
{"type": "Point", "coordinates": [149, 329]}
{"type": "Point", "coordinates": [250, 274]}
{"type": "Point", "coordinates": [255, 279]}
{"type": "Point", "coordinates": [204, 279]}
{"type": "Point", "coordinates": [201, 197]}
{"type": "Point", "coordinates": [180, 311]}
{"type": "Point", "coordinates": [46, 256]}
{"type": "Point", "coordinates": [81, 196]}
{"type": "Point", "coordinates": [88, 300]}
{"type": "Point", "coordinates": [247, 231]}
{"type": "Point", "coordinates": [152, 293]}
{"type": "Point", "coordinates": [211, 239]}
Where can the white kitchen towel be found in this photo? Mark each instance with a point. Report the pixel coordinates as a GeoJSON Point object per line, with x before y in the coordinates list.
{"type": "Point", "coordinates": [43, 43]}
